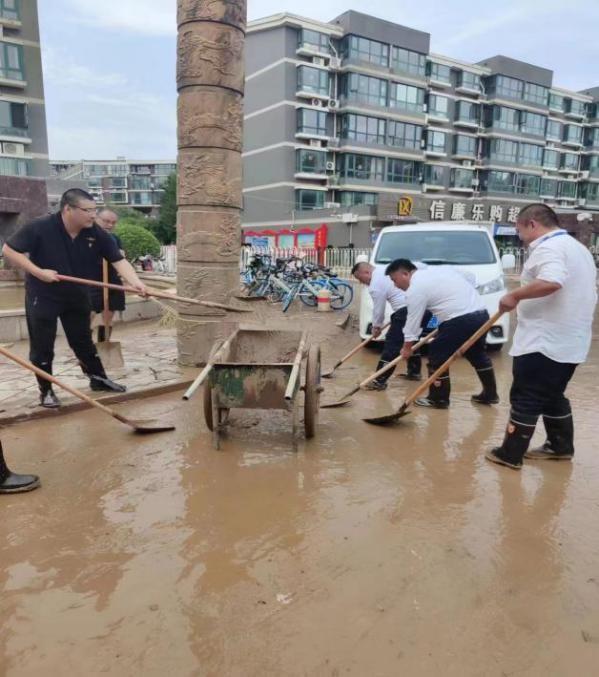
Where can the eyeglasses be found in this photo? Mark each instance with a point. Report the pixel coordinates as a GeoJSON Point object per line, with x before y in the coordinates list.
{"type": "Point", "coordinates": [90, 210]}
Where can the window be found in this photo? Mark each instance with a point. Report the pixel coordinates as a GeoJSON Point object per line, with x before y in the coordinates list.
{"type": "Point", "coordinates": [312, 122]}
{"type": "Point", "coordinates": [593, 111]}
{"type": "Point", "coordinates": [462, 178]}
{"type": "Point", "coordinates": [535, 93]}
{"type": "Point", "coordinates": [500, 182]}
{"type": "Point", "coordinates": [363, 128]}
{"type": "Point", "coordinates": [502, 150]}
{"type": "Point", "coordinates": [353, 199]}
{"type": "Point", "coordinates": [434, 175]}
{"type": "Point", "coordinates": [120, 182]}
{"type": "Point", "coordinates": [548, 188]}
{"type": "Point", "coordinates": [165, 169]}
{"type": "Point", "coordinates": [310, 161]}
{"type": "Point", "coordinates": [569, 161]}
{"type": "Point", "coordinates": [592, 137]}
{"type": "Point", "coordinates": [435, 141]}
{"type": "Point", "coordinates": [142, 199]}
{"type": "Point", "coordinates": [362, 167]}
{"type": "Point", "coordinates": [467, 112]}
{"type": "Point", "coordinates": [590, 191]}
{"type": "Point", "coordinates": [406, 61]}
{"type": "Point", "coordinates": [527, 184]}
{"type": "Point", "coordinates": [13, 118]}
{"type": "Point", "coordinates": [573, 134]}
{"type": "Point", "coordinates": [464, 145]}
{"type": "Point", "coordinates": [468, 80]}
{"type": "Point", "coordinates": [314, 40]}
{"type": "Point", "coordinates": [566, 189]}
{"type": "Point", "coordinates": [439, 72]}
{"type": "Point", "coordinates": [532, 123]}
{"type": "Point", "coordinates": [313, 80]}
{"type": "Point", "coordinates": [138, 183]}
{"type": "Point", "coordinates": [11, 61]}
{"type": "Point", "coordinates": [406, 97]}
{"type": "Point", "coordinates": [592, 164]}
{"type": "Point", "coordinates": [530, 155]}
{"type": "Point", "coordinates": [9, 9]}
{"type": "Point", "coordinates": [362, 49]}
{"type": "Point", "coordinates": [550, 159]}
{"type": "Point", "coordinates": [574, 107]}
{"type": "Point", "coordinates": [438, 105]}
{"type": "Point", "coordinates": [403, 171]}
{"type": "Point", "coordinates": [363, 89]}
{"type": "Point", "coordinates": [117, 197]}
{"type": "Point", "coordinates": [554, 130]}
{"type": "Point", "coordinates": [14, 167]}
{"type": "Point", "coordinates": [403, 135]}
{"type": "Point", "coordinates": [503, 86]}
{"type": "Point", "coordinates": [556, 102]}
{"type": "Point", "coordinates": [506, 118]}
{"type": "Point", "coordinates": [309, 199]}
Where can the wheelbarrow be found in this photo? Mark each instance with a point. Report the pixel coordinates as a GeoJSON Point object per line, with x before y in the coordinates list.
{"type": "Point", "coordinates": [260, 369]}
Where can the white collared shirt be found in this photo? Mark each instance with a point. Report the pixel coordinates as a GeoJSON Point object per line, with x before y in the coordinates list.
{"type": "Point", "coordinates": [559, 325]}
{"type": "Point", "coordinates": [445, 291]}
{"type": "Point", "coordinates": [382, 290]}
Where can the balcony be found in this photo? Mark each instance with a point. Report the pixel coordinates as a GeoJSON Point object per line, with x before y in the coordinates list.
{"type": "Point", "coordinates": [466, 122]}
{"type": "Point", "coordinates": [574, 144]}
{"type": "Point", "coordinates": [310, 49]}
{"type": "Point", "coordinates": [15, 133]}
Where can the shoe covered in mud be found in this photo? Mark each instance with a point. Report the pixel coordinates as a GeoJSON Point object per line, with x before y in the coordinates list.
{"type": "Point", "coordinates": [411, 377]}
{"type": "Point", "coordinates": [495, 456]}
{"type": "Point", "coordinates": [104, 383]}
{"type": "Point", "coordinates": [483, 398]}
{"type": "Point", "coordinates": [13, 483]}
{"type": "Point", "coordinates": [49, 400]}
{"type": "Point", "coordinates": [376, 385]}
{"type": "Point", "coordinates": [432, 404]}
{"type": "Point", "coordinates": [560, 439]}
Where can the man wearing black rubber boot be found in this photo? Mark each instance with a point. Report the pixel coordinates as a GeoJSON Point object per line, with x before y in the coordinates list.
{"type": "Point", "coordinates": [555, 307]}
{"type": "Point", "coordinates": [67, 243]}
{"type": "Point", "coordinates": [13, 483]}
{"type": "Point", "coordinates": [452, 298]}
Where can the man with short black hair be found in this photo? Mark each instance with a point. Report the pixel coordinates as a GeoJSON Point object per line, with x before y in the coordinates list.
{"type": "Point", "coordinates": [555, 307]}
{"type": "Point", "coordinates": [454, 301]}
{"type": "Point", "coordinates": [67, 243]}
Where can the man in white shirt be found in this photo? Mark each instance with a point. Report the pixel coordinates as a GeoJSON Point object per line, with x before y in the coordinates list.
{"type": "Point", "coordinates": [453, 300]}
{"type": "Point", "coordinates": [383, 291]}
{"type": "Point", "coordinates": [555, 308]}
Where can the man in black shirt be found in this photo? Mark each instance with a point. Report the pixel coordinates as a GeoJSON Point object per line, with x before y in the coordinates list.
{"type": "Point", "coordinates": [66, 243]}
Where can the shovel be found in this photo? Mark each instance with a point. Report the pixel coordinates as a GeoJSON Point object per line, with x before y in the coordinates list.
{"type": "Point", "coordinates": [402, 411]}
{"type": "Point", "coordinates": [140, 426]}
{"type": "Point", "coordinates": [345, 398]}
{"type": "Point", "coordinates": [109, 351]}
{"type": "Point", "coordinates": [329, 374]}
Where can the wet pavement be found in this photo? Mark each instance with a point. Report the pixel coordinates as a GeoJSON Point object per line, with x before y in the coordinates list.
{"type": "Point", "coordinates": [371, 551]}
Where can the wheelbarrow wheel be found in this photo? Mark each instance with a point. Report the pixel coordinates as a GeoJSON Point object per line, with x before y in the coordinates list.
{"type": "Point", "coordinates": [207, 394]}
{"type": "Point", "coordinates": [312, 391]}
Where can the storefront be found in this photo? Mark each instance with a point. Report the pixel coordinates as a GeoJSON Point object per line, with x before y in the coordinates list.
{"type": "Point", "coordinates": [285, 238]}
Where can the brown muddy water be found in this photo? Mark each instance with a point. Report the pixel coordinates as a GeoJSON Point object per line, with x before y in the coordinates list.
{"type": "Point", "coordinates": [371, 552]}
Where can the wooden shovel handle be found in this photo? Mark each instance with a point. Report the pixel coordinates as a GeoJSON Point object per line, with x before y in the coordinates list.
{"type": "Point", "coordinates": [105, 297]}
{"type": "Point", "coordinates": [359, 347]}
{"type": "Point", "coordinates": [445, 366]}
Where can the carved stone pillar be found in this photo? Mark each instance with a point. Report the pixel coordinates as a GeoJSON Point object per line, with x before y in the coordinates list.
{"type": "Point", "coordinates": [210, 80]}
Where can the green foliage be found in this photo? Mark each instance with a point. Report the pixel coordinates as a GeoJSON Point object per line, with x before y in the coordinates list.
{"type": "Point", "coordinates": [166, 228]}
{"type": "Point", "coordinates": [137, 240]}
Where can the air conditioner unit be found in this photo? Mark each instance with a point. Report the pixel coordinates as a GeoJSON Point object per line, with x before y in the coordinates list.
{"type": "Point", "coordinates": [13, 148]}
{"type": "Point", "coordinates": [334, 142]}
{"type": "Point", "coordinates": [333, 103]}
{"type": "Point", "coordinates": [582, 201]}
{"type": "Point", "coordinates": [316, 102]}
{"type": "Point", "coordinates": [584, 174]}
{"type": "Point", "coordinates": [332, 205]}
{"type": "Point", "coordinates": [316, 143]}
{"type": "Point", "coordinates": [467, 163]}
{"type": "Point", "coordinates": [319, 61]}
{"type": "Point", "coordinates": [330, 166]}
{"type": "Point", "coordinates": [335, 62]}
{"type": "Point", "coordinates": [475, 183]}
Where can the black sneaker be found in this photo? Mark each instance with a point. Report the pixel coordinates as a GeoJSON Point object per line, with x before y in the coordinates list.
{"type": "Point", "coordinates": [376, 385]}
{"type": "Point", "coordinates": [432, 404]}
{"type": "Point", "coordinates": [546, 453]}
{"type": "Point", "coordinates": [49, 400]}
{"type": "Point", "coordinates": [484, 399]}
{"type": "Point", "coordinates": [104, 383]}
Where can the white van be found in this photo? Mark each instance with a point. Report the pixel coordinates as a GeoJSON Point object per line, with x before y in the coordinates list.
{"type": "Point", "coordinates": [467, 247]}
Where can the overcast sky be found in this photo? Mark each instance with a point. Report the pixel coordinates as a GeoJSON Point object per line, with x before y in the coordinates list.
{"type": "Point", "coordinates": [109, 65]}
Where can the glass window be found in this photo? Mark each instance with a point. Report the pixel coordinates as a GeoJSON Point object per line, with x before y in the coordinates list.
{"type": "Point", "coordinates": [363, 49]}
{"type": "Point", "coordinates": [462, 178]}
{"type": "Point", "coordinates": [530, 155]}
{"type": "Point", "coordinates": [11, 61]}
{"type": "Point", "coordinates": [309, 199]}
{"type": "Point", "coordinates": [363, 128]}
{"type": "Point", "coordinates": [469, 80]}
{"type": "Point", "coordinates": [548, 187]}
{"type": "Point", "coordinates": [364, 89]}
{"type": "Point", "coordinates": [403, 171]}
{"type": "Point", "coordinates": [165, 169]}
{"type": "Point", "coordinates": [9, 9]}
{"type": "Point", "coordinates": [464, 145]}
{"type": "Point", "coordinates": [434, 175]}
{"type": "Point", "coordinates": [404, 135]}
{"type": "Point", "coordinates": [500, 182]}
{"type": "Point", "coordinates": [574, 106]}
{"type": "Point", "coordinates": [532, 123]}
{"type": "Point", "coordinates": [502, 150]}
{"type": "Point", "coordinates": [312, 122]}
{"type": "Point", "coordinates": [556, 102]}
{"type": "Point", "coordinates": [406, 61]}
{"type": "Point", "coordinates": [550, 159]}
{"type": "Point", "coordinates": [117, 197]}
{"type": "Point", "coordinates": [310, 161]}
{"type": "Point", "coordinates": [590, 191]}
{"type": "Point", "coordinates": [438, 105]}
{"type": "Point", "coordinates": [435, 141]}
{"type": "Point", "coordinates": [313, 80]}
{"type": "Point", "coordinates": [362, 167]}
{"type": "Point", "coordinates": [593, 111]}
{"type": "Point", "coordinates": [349, 198]}
{"type": "Point", "coordinates": [439, 72]}
{"type": "Point", "coordinates": [592, 139]}
{"type": "Point", "coordinates": [592, 164]}
{"type": "Point", "coordinates": [143, 199]}
{"type": "Point", "coordinates": [566, 189]}
{"type": "Point", "coordinates": [511, 88]}
{"type": "Point", "coordinates": [569, 161]}
{"type": "Point", "coordinates": [506, 118]}
{"type": "Point", "coordinates": [14, 167]}
{"type": "Point", "coordinates": [314, 40]}
{"type": "Point", "coordinates": [573, 134]}
{"type": "Point", "coordinates": [527, 184]}
{"type": "Point", "coordinates": [139, 183]}
{"type": "Point", "coordinates": [121, 182]}
{"type": "Point", "coordinates": [554, 130]}
{"type": "Point", "coordinates": [467, 112]}
{"type": "Point", "coordinates": [13, 118]}
{"type": "Point", "coordinates": [406, 97]}
{"type": "Point", "coordinates": [535, 93]}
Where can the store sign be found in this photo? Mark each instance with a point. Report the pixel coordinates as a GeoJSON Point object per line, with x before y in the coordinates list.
{"type": "Point", "coordinates": [404, 206]}
{"type": "Point", "coordinates": [460, 211]}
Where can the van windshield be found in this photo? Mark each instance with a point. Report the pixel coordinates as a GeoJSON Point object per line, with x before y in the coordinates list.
{"type": "Point", "coordinates": [436, 247]}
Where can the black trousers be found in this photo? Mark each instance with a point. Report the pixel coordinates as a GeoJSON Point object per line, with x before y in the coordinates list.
{"type": "Point", "coordinates": [394, 341]}
{"type": "Point", "coordinates": [538, 387]}
{"type": "Point", "coordinates": [42, 325]}
{"type": "Point", "coordinates": [452, 334]}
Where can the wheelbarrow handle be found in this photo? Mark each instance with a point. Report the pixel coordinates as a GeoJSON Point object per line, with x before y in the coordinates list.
{"type": "Point", "coordinates": [297, 363]}
{"type": "Point", "coordinates": [203, 375]}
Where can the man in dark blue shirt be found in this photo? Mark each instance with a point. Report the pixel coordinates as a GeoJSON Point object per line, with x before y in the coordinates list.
{"type": "Point", "coordinates": [66, 243]}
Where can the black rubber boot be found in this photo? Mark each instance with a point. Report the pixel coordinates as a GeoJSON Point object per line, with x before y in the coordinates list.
{"type": "Point", "coordinates": [11, 483]}
{"type": "Point", "coordinates": [104, 383]}
{"type": "Point", "coordinates": [438, 393]}
{"type": "Point", "coordinates": [560, 440]}
{"type": "Point", "coordinates": [101, 334]}
{"type": "Point", "coordinates": [489, 391]}
{"type": "Point", "coordinates": [518, 434]}
{"type": "Point", "coordinates": [414, 368]}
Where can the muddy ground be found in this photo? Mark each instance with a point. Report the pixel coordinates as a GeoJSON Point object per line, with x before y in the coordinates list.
{"type": "Point", "coordinates": [370, 552]}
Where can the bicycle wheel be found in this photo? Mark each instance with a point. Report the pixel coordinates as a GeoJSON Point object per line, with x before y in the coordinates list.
{"type": "Point", "coordinates": [307, 297]}
{"type": "Point", "coordinates": [342, 295]}
{"type": "Point", "coordinates": [288, 300]}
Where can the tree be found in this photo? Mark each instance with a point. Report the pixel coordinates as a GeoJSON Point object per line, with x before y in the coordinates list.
{"type": "Point", "coordinates": [166, 227]}
{"type": "Point", "coordinates": [137, 240]}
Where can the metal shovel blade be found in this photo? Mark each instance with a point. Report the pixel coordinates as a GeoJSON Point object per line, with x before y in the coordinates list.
{"type": "Point", "coordinates": [328, 374]}
{"type": "Point", "coordinates": [333, 405]}
{"type": "Point", "coordinates": [111, 354]}
{"type": "Point", "coordinates": [146, 427]}
{"type": "Point", "coordinates": [389, 418]}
